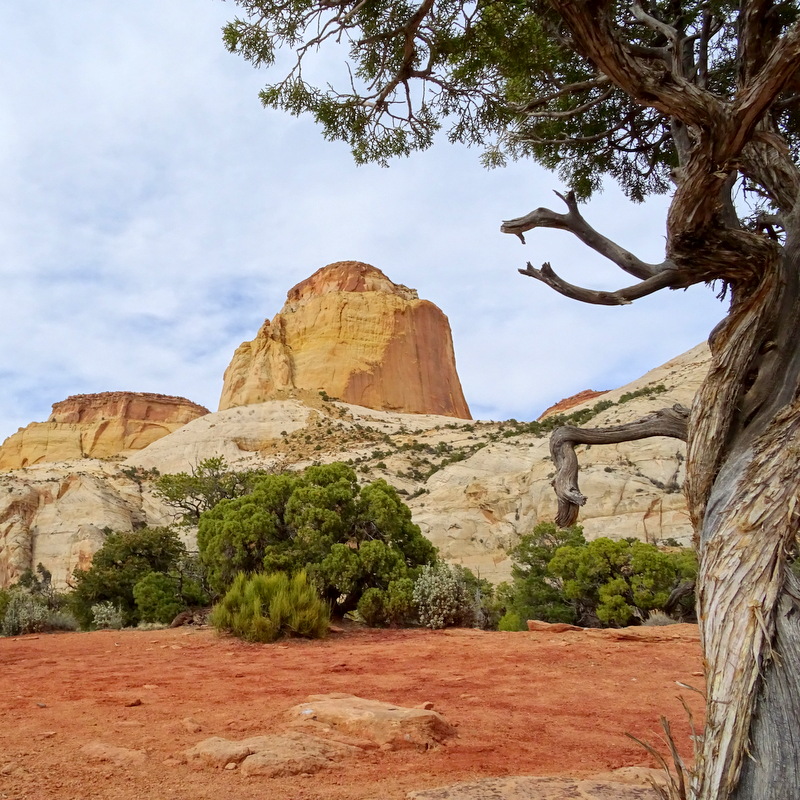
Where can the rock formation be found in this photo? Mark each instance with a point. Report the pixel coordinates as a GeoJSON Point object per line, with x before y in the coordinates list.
{"type": "Point", "coordinates": [562, 406]}
{"type": "Point", "coordinates": [473, 487]}
{"type": "Point", "coordinates": [97, 426]}
{"type": "Point", "coordinates": [350, 332]}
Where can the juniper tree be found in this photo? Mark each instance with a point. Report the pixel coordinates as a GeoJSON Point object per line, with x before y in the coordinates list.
{"type": "Point", "coordinates": [699, 99]}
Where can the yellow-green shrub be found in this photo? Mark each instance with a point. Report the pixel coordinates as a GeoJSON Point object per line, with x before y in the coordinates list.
{"type": "Point", "coordinates": [264, 607]}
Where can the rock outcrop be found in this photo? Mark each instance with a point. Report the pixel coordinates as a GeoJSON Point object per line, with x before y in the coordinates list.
{"type": "Point", "coordinates": [97, 426]}
{"type": "Point", "coordinates": [351, 333]}
{"type": "Point", "coordinates": [473, 487]}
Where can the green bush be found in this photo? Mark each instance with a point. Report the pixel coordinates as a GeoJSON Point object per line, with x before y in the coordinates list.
{"type": "Point", "coordinates": [264, 607]}
{"type": "Point", "coordinates": [511, 621]}
{"type": "Point", "coordinates": [158, 598]}
{"type": "Point", "coordinates": [210, 482]}
{"type": "Point", "coordinates": [123, 560]}
{"type": "Point", "coordinates": [348, 538]}
{"type": "Point", "coordinates": [617, 582]}
{"type": "Point", "coordinates": [5, 599]}
{"type": "Point", "coordinates": [443, 596]}
{"type": "Point", "coordinates": [25, 613]}
{"type": "Point", "coordinates": [534, 592]}
{"type": "Point", "coordinates": [107, 616]}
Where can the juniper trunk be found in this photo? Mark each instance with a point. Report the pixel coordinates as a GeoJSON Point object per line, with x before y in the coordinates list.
{"type": "Point", "coordinates": [742, 486]}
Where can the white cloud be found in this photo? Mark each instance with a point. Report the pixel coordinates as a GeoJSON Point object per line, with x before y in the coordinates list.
{"type": "Point", "coordinates": [152, 214]}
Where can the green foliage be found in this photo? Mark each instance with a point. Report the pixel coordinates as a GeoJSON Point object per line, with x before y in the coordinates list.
{"type": "Point", "coordinates": [123, 560]}
{"type": "Point", "coordinates": [559, 577]}
{"type": "Point", "coordinates": [157, 597]}
{"type": "Point", "coordinates": [511, 621]}
{"type": "Point", "coordinates": [535, 593]}
{"type": "Point", "coordinates": [348, 538]}
{"type": "Point", "coordinates": [265, 607]}
{"type": "Point", "coordinates": [444, 596]}
{"type": "Point", "coordinates": [210, 482]}
{"type": "Point", "coordinates": [107, 616]}
{"type": "Point", "coordinates": [5, 599]}
{"type": "Point", "coordinates": [618, 582]}
{"type": "Point", "coordinates": [25, 613]}
{"type": "Point", "coordinates": [392, 606]}
{"type": "Point", "coordinates": [492, 75]}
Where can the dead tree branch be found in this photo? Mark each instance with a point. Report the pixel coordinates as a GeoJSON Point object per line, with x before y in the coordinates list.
{"type": "Point", "coordinates": [574, 222]}
{"type": "Point", "coordinates": [670, 422]}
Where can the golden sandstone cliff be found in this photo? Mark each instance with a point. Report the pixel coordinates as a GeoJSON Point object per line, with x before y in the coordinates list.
{"type": "Point", "coordinates": [352, 333]}
{"type": "Point", "coordinates": [97, 426]}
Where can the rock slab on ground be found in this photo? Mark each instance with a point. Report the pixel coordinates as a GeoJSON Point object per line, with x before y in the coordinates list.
{"type": "Point", "coordinates": [271, 756]}
{"type": "Point", "coordinates": [533, 788]}
{"type": "Point", "coordinates": [389, 726]}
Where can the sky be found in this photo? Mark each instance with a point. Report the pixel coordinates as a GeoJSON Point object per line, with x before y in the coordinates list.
{"type": "Point", "coordinates": [153, 214]}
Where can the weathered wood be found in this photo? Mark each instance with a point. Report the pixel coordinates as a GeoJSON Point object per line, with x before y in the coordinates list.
{"type": "Point", "coordinates": [670, 422]}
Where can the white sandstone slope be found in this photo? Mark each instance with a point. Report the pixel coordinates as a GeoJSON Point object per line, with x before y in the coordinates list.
{"type": "Point", "coordinates": [473, 487]}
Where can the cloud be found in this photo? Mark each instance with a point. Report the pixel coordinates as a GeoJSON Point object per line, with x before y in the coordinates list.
{"type": "Point", "coordinates": [153, 214]}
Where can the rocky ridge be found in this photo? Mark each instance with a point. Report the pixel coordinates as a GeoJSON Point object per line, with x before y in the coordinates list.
{"type": "Point", "coordinates": [351, 333]}
{"type": "Point", "coordinates": [473, 487]}
{"type": "Point", "coordinates": [97, 426]}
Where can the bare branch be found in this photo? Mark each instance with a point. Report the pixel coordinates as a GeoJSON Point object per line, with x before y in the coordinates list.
{"type": "Point", "coordinates": [571, 88]}
{"type": "Point", "coordinates": [670, 422]}
{"type": "Point", "coordinates": [622, 297]}
{"type": "Point", "coordinates": [573, 222]}
{"type": "Point", "coordinates": [657, 25]}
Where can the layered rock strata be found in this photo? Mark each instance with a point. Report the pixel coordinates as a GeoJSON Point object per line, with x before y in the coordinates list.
{"type": "Point", "coordinates": [351, 333]}
{"type": "Point", "coordinates": [97, 426]}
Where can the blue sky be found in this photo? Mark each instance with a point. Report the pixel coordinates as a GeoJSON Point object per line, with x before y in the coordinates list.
{"type": "Point", "coordinates": [153, 214]}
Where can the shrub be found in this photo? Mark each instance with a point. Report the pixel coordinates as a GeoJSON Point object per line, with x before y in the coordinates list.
{"type": "Point", "coordinates": [617, 582]}
{"type": "Point", "coordinates": [107, 616]}
{"type": "Point", "coordinates": [348, 538]}
{"type": "Point", "coordinates": [157, 598]}
{"type": "Point", "coordinates": [123, 560]}
{"type": "Point", "coordinates": [5, 599]}
{"type": "Point", "coordinates": [658, 618]}
{"type": "Point", "coordinates": [534, 592]}
{"type": "Point", "coordinates": [443, 597]}
{"type": "Point", "coordinates": [372, 607]}
{"type": "Point", "coordinates": [25, 613]}
{"type": "Point", "coordinates": [511, 621]}
{"type": "Point", "coordinates": [264, 607]}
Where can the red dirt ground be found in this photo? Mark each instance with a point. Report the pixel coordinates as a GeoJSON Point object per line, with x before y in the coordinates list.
{"type": "Point", "coordinates": [524, 704]}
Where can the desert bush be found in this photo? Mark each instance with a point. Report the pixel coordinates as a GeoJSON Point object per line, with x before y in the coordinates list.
{"type": "Point", "coordinates": [392, 606]}
{"type": "Point", "coordinates": [658, 618]}
{"type": "Point", "coordinates": [618, 582]}
{"type": "Point", "coordinates": [158, 598]}
{"type": "Point", "coordinates": [210, 482]}
{"type": "Point", "coordinates": [443, 596]}
{"type": "Point", "coordinates": [348, 538]}
{"type": "Point", "coordinates": [123, 560]}
{"type": "Point", "coordinates": [25, 613]}
{"type": "Point", "coordinates": [511, 621]}
{"type": "Point", "coordinates": [265, 607]}
{"type": "Point", "coordinates": [107, 616]}
{"type": "Point", "coordinates": [5, 599]}
{"type": "Point", "coordinates": [534, 592]}
{"type": "Point", "coordinates": [560, 577]}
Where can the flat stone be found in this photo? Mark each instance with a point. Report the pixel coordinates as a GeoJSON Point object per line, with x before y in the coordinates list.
{"type": "Point", "coordinates": [109, 753]}
{"type": "Point", "coordinates": [532, 788]}
{"type": "Point", "coordinates": [389, 726]}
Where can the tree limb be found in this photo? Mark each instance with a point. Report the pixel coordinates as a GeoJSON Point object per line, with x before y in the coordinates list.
{"type": "Point", "coordinates": [661, 280]}
{"type": "Point", "coordinates": [574, 222]}
{"type": "Point", "coordinates": [670, 422]}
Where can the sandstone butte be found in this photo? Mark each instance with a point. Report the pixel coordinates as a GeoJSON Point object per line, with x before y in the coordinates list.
{"type": "Point", "coordinates": [97, 426]}
{"type": "Point", "coordinates": [352, 333]}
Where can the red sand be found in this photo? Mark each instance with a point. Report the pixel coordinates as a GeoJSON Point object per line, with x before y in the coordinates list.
{"type": "Point", "coordinates": [524, 704]}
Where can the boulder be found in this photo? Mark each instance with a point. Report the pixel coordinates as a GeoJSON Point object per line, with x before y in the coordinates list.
{"type": "Point", "coordinates": [351, 333]}
{"type": "Point", "coordinates": [270, 756]}
{"type": "Point", "coordinates": [97, 426]}
{"type": "Point", "coordinates": [389, 726]}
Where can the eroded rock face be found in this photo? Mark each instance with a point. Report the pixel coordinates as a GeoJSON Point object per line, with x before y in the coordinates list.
{"type": "Point", "coordinates": [352, 333]}
{"type": "Point", "coordinates": [97, 426]}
